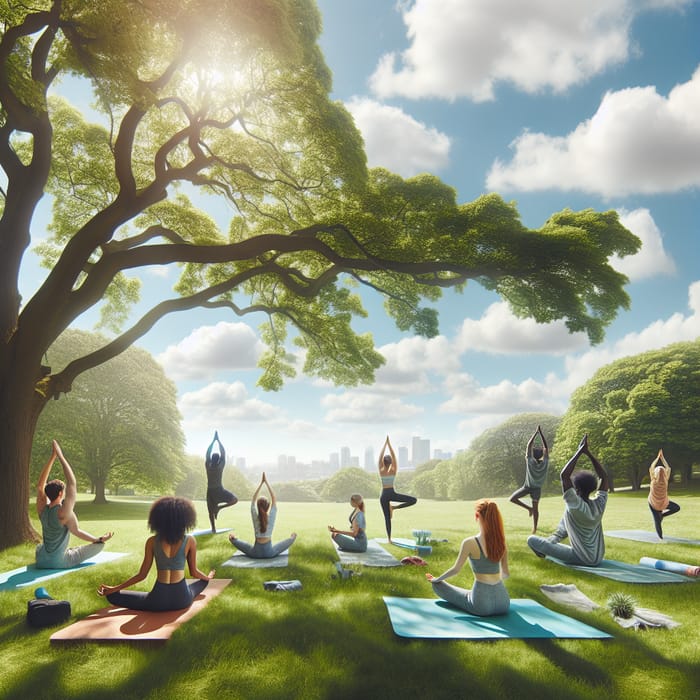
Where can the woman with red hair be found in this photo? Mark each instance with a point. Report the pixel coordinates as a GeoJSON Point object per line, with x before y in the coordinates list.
{"type": "Point", "coordinates": [488, 557]}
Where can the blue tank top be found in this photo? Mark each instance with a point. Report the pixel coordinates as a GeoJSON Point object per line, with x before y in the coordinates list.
{"type": "Point", "coordinates": [387, 480]}
{"type": "Point", "coordinates": [484, 565]}
{"type": "Point", "coordinates": [166, 563]}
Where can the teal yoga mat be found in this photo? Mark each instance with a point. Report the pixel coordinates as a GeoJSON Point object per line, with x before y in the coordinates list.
{"type": "Point", "coordinates": [422, 550]}
{"type": "Point", "coordinates": [645, 536]}
{"type": "Point", "coordinates": [424, 618]}
{"type": "Point", "coordinates": [30, 575]}
{"type": "Point", "coordinates": [626, 573]}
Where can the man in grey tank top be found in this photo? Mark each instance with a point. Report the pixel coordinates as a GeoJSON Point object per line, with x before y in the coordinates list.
{"type": "Point", "coordinates": [54, 505]}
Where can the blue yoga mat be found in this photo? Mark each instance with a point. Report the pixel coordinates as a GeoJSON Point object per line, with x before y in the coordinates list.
{"type": "Point", "coordinates": [423, 550]}
{"type": "Point", "coordinates": [627, 573]}
{"type": "Point", "coordinates": [207, 531]}
{"type": "Point", "coordinates": [645, 536]}
{"type": "Point", "coordinates": [424, 618]}
{"type": "Point", "coordinates": [30, 575]}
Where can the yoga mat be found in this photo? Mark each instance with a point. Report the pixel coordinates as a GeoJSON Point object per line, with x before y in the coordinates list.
{"type": "Point", "coordinates": [30, 575]}
{"type": "Point", "coordinates": [644, 536]}
{"type": "Point", "coordinates": [627, 573]}
{"type": "Point", "coordinates": [424, 618]}
{"type": "Point", "coordinates": [135, 626]}
{"type": "Point", "coordinates": [207, 531]}
{"type": "Point", "coordinates": [375, 555]}
{"type": "Point", "coordinates": [423, 550]}
{"type": "Point", "coordinates": [675, 566]}
{"type": "Point", "coordinates": [241, 561]}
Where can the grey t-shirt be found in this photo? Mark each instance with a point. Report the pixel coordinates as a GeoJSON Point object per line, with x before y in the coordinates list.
{"type": "Point", "coordinates": [536, 471]}
{"type": "Point", "coordinates": [582, 522]}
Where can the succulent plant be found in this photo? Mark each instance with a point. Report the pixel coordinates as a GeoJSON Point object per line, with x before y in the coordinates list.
{"type": "Point", "coordinates": [621, 605]}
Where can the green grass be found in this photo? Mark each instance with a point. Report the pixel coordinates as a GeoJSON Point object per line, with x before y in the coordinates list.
{"type": "Point", "coordinates": [333, 639]}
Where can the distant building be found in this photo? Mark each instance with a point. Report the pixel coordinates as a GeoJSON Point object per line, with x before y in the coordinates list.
{"type": "Point", "coordinates": [334, 461]}
{"type": "Point", "coordinates": [421, 451]}
{"type": "Point", "coordinates": [345, 457]}
{"type": "Point", "coordinates": [439, 454]}
{"type": "Point", "coordinates": [403, 458]}
{"type": "Point", "coordinates": [369, 459]}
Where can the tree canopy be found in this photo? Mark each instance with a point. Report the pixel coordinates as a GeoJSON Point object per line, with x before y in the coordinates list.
{"type": "Point", "coordinates": [636, 405]}
{"type": "Point", "coordinates": [119, 425]}
{"type": "Point", "coordinates": [230, 98]}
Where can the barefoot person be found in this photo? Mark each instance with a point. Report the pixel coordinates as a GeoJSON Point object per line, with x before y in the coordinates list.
{"type": "Point", "coordinates": [659, 505]}
{"type": "Point", "coordinates": [536, 464]}
{"type": "Point", "coordinates": [388, 467]}
{"type": "Point", "coordinates": [217, 496]}
{"type": "Point", "coordinates": [487, 555]}
{"type": "Point", "coordinates": [582, 519]}
{"type": "Point", "coordinates": [354, 539]}
{"type": "Point", "coordinates": [55, 501]}
{"type": "Point", "coordinates": [169, 519]}
{"type": "Point", "coordinates": [263, 513]}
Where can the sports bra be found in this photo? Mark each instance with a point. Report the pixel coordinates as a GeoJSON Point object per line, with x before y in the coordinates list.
{"type": "Point", "coordinates": [387, 480]}
{"type": "Point", "coordinates": [484, 565]}
{"type": "Point", "coordinates": [166, 563]}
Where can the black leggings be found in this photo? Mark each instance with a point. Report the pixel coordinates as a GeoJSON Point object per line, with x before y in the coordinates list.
{"type": "Point", "coordinates": [658, 515]}
{"type": "Point", "coordinates": [163, 596]}
{"type": "Point", "coordinates": [389, 495]}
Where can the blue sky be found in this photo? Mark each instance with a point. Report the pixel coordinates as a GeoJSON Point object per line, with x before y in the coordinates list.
{"type": "Point", "coordinates": [552, 104]}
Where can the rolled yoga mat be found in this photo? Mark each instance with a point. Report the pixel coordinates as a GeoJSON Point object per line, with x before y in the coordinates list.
{"type": "Point", "coordinates": [675, 566]}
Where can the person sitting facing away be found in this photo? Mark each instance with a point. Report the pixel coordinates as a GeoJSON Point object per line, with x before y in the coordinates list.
{"type": "Point", "coordinates": [55, 501]}
{"type": "Point", "coordinates": [582, 519]}
{"type": "Point", "coordinates": [218, 497]}
{"type": "Point", "coordinates": [659, 505]}
{"type": "Point", "coordinates": [487, 554]}
{"type": "Point", "coordinates": [263, 513]}
{"type": "Point", "coordinates": [355, 539]}
{"type": "Point", "coordinates": [169, 519]}
{"type": "Point", "coordinates": [536, 465]}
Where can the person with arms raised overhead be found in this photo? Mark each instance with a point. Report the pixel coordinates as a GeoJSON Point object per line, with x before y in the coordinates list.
{"type": "Point", "coordinates": [55, 501]}
{"type": "Point", "coordinates": [217, 496]}
{"type": "Point", "coordinates": [536, 465]}
{"type": "Point", "coordinates": [388, 468]}
{"type": "Point", "coordinates": [583, 515]}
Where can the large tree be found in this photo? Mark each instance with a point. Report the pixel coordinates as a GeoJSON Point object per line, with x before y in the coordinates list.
{"type": "Point", "coordinates": [119, 424]}
{"type": "Point", "coordinates": [230, 98]}
{"type": "Point", "coordinates": [636, 405]}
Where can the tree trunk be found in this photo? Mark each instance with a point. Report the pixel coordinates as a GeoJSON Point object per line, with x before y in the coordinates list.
{"type": "Point", "coordinates": [17, 425]}
{"type": "Point", "coordinates": [99, 491]}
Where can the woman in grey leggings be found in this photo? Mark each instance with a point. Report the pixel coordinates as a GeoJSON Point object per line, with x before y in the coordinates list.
{"type": "Point", "coordinates": [488, 557]}
{"type": "Point", "coordinates": [355, 539]}
{"type": "Point", "coordinates": [263, 513]}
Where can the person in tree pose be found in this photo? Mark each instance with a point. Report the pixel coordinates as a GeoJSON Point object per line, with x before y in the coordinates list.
{"type": "Point", "coordinates": [169, 519]}
{"type": "Point", "coordinates": [536, 465]}
{"type": "Point", "coordinates": [388, 467]}
{"type": "Point", "coordinates": [659, 505]}
{"type": "Point", "coordinates": [263, 513]}
{"type": "Point", "coordinates": [217, 496]}
{"type": "Point", "coordinates": [355, 539]}
{"type": "Point", "coordinates": [582, 519]}
{"type": "Point", "coordinates": [55, 501]}
{"type": "Point", "coordinates": [487, 555]}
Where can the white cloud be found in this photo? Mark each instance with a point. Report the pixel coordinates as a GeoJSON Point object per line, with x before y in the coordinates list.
{"type": "Point", "coordinates": [225, 404]}
{"type": "Point", "coordinates": [366, 407]}
{"type": "Point", "coordinates": [652, 259]}
{"type": "Point", "coordinates": [463, 49]}
{"type": "Point", "coordinates": [637, 141]}
{"type": "Point", "coordinates": [505, 398]}
{"type": "Point", "coordinates": [212, 349]}
{"type": "Point", "coordinates": [396, 141]}
{"type": "Point", "coordinates": [500, 332]}
{"type": "Point", "coordinates": [678, 327]}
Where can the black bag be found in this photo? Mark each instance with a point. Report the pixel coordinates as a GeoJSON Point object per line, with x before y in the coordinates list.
{"type": "Point", "coordinates": [43, 612]}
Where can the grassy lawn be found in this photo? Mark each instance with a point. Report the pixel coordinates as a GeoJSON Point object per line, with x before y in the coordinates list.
{"type": "Point", "coordinates": [333, 639]}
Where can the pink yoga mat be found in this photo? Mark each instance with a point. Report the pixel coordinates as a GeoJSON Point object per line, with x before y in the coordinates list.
{"type": "Point", "coordinates": [123, 625]}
